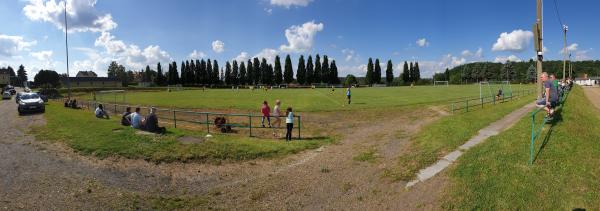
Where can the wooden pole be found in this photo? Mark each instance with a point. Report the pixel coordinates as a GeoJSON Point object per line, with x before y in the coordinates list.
{"type": "Point", "coordinates": [539, 52]}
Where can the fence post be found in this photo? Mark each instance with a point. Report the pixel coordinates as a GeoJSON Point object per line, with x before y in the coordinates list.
{"type": "Point", "coordinates": [467, 101]}
{"type": "Point", "coordinates": [532, 138]}
{"type": "Point", "coordinates": [250, 125]}
{"type": "Point", "coordinates": [452, 107]}
{"type": "Point", "coordinates": [299, 125]}
{"type": "Point", "coordinates": [174, 119]}
{"type": "Point", "coordinates": [116, 109]}
{"type": "Point", "coordinates": [207, 124]}
{"type": "Point", "coordinates": [482, 102]}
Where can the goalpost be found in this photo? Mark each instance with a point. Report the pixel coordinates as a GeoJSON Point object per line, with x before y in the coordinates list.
{"type": "Point", "coordinates": [440, 83]}
{"type": "Point", "coordinates": [176, 87]}
{"type": "Point", "coordinates": [111, 96]}
{"type": "Point", "coordinates": [495, 88]}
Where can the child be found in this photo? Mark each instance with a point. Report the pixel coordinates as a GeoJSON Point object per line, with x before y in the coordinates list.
{"type": "Point", "coordinates": [100, 113]}
{"type": "Point", "coordinates": [277, 114]}
{"type": "Point", "coordinates": [266, 113]}
{"type": "Point", "coordinates": [289, 121]}
{"type": "Point", "coordinates": [348, 95]}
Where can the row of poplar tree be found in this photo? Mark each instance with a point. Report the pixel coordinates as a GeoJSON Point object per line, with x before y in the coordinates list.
{"type": "Point", "coordinates": [410, 74]}
{"type": "Point", "coordinates": [253, 71]}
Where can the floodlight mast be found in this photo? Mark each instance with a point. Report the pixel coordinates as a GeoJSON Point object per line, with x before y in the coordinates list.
{"type": "Point", "coordinates": [67, 50]}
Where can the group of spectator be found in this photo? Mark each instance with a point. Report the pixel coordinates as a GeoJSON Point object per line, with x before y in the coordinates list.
{"type": "Point", "coordinates": [289, 118]}
{"type": "Point", "coordinates": [135, 119]}
{"type": "Point", "coordinates": [553, 91]}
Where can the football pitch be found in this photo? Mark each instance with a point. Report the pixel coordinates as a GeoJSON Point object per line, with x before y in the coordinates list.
{"type": "Point", "coordinates": [309, 100]}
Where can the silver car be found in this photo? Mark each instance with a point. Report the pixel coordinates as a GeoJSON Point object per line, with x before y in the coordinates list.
{"type": "Point", "coordinates": [6, 95]}
{"type": "Point", "coordinates": [31, 102]}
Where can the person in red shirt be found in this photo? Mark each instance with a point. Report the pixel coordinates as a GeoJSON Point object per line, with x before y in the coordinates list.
{"type": "Point", "coordinates": [266, 113]}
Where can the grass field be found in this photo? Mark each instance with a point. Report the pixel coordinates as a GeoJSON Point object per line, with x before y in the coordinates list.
{"type": "Point", "coordinates": [496, 175]}
{"type": "Point", "coordinates": [445, 135]}
{"type": "Point", "coordinates": [306, 99]}
{"type": "Point", "coordinates": [86, 134]}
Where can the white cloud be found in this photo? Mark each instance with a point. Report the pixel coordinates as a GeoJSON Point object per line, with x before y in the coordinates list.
{"type": "Point", "coordinates": [197, 55]}
{"type": "Point", "coordinates": [516, 41]}
{"type": "Point", "coordinates": [422, 42]}
{"type": "Point", "coordinates": [474, 56]}
{"type": "Point", "coordinates": [268, 54]}
{"type": "Point", "coordinates": [503, 59]}
{"type": "Point", "coordinates": [570, 48]}
{"type": "Point", "coordinates": [349, 55]}
{"type": "Point", "coordinates": [218, 46]}
{"type": "Point", "coordinates": [289, 3]}
{"type": "Point", "coordinates": [109, 42]}
{"type": "Point", "coordinates": [131, 56]}
{"type": "Point", "coordinates": [42, 55]}
{"type": "Point", "coordinates": [268, 10]}
{"type": "Point", "coordinates": [81, 15]}
{"type": "Point", "coordinates": [301, 38]}
{"type": "Point", "coordinates": [358, 70]}
{"type": "Point", "coordinates": [11, 46]}
{"type": "Point", "coordinates": [242, 57]}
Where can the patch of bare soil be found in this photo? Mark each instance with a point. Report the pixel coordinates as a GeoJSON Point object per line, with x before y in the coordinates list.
{"type": "Point", "coordinates": [332, 179]}
{"type": "Point", "coordinates": [325, 178]}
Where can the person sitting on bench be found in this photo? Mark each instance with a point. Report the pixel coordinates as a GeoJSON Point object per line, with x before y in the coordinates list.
{"type": "Point", "coordinates": [151, 123]}
{"type": "Point", "coordinates": [100, 113]}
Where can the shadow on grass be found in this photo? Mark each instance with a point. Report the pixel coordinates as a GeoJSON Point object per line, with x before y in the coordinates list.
{"type": "Point", "coordinates": [557, 118]}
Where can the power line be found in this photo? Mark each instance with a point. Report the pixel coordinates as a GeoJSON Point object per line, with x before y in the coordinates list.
{"type": "Point", "coordinates": [558, 15]}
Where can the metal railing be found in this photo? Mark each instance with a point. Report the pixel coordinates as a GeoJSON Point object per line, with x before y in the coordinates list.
{"type": "Point", "coordinates": [536, 129]}
{"type": "Point", "coordinates": [471, 103]}
{"type": "Point", "coordinates": [196, 120]}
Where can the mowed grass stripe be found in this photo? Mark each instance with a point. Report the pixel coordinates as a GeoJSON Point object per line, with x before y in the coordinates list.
{"type": "Point", "coordinates": [307, 100]}
{"type": "Point", "coordinates": [496, 175]}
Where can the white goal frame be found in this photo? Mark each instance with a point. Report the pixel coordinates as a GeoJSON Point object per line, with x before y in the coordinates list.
{"type": "Point", "coordinates": [103, 96]}
{"type": "Point", "coordinates": [176, 87]}
{"type": "Point", "coordinates": [435, 83]}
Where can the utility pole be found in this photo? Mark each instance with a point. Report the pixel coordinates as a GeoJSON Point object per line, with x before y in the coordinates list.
{"type": "Point", "coordinates": [570, 67]}
{"type": "Point", "coordinates": [537, 32]}
{"type": "Point", "coordinates": [565, 28]}
{"type": "Point", "coordinates": [67, 50]}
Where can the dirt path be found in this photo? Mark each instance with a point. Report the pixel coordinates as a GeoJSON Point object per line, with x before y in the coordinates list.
{"type": "Point", "coordinates": [333, 179]}
{"type": "Point", "coordinates": [593, 94]}
{"type": "Point", "coordinates": [37, 175]}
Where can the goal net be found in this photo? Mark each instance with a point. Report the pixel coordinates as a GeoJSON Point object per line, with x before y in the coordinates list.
{"type": "Point", "coordinates": [440, 83]}
{"type": "Point", "coordinates": [176, 87]}
{"type": "Point", "coordinates": [495, 89]}
{"type": "Point", "coordinates": [111, 96]}
{"type": "Point", "coordinates": [283, 86]}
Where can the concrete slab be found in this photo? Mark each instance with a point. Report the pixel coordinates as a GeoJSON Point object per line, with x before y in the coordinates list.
{"type": "Point", "coordinates": [491, 130]}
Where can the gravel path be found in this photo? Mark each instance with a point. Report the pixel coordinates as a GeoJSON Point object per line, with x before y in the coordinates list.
{"type": "Point", "coordinates": [593, 94]}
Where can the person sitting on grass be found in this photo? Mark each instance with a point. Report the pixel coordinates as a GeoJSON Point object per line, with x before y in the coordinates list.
{"type": "Point", "coordinates": [289, 122]}
{"type": "Point", "coordinates": [499, 95]}
{"type": "Point", "coordinates": [101, 113]}
{"type": "Point", "coordinates": [126, 117]}
{"type": "Point", "coordinates": [136, 119]}
{"type": "Point", "coordinates": [151, 123]}
{"type": "Point", "coordinates": [266, 113]}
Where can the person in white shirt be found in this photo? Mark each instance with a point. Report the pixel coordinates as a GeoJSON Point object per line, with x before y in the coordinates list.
{"type": "Point", "coordinates": [100, 113]}
{"type": "Point", "coordinates": [289, 121]}
{"type": "Point", "coordinates": [136, 119]}
{"type": "Point", "coordinates": [276, 115]}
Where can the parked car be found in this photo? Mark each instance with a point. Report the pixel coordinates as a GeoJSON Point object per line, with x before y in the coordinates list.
{"type": "Point", "coordinates": [18, 96]}
{"type": "Point", "coordinates": [10, 89]}
{"type": "Point", "coordinates": [27, 89]}
{"type": "Point", "coordinates": [6, 95]}
{"type": "Point", "coordinates": [31, 102]}
{"type": "Point", "coordinates": [44, 97]}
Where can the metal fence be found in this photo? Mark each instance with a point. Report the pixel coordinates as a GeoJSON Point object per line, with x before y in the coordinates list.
{"type": "Point", "coordinates": [205, 121]}
{"type": "Point", "coordinates": [536, 129]}
{"type": "Point", "coordinates": [470, 104]}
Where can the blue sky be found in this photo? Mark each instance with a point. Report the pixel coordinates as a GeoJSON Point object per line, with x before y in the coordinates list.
{"type": "Point", "coordinates": [437, 33]}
